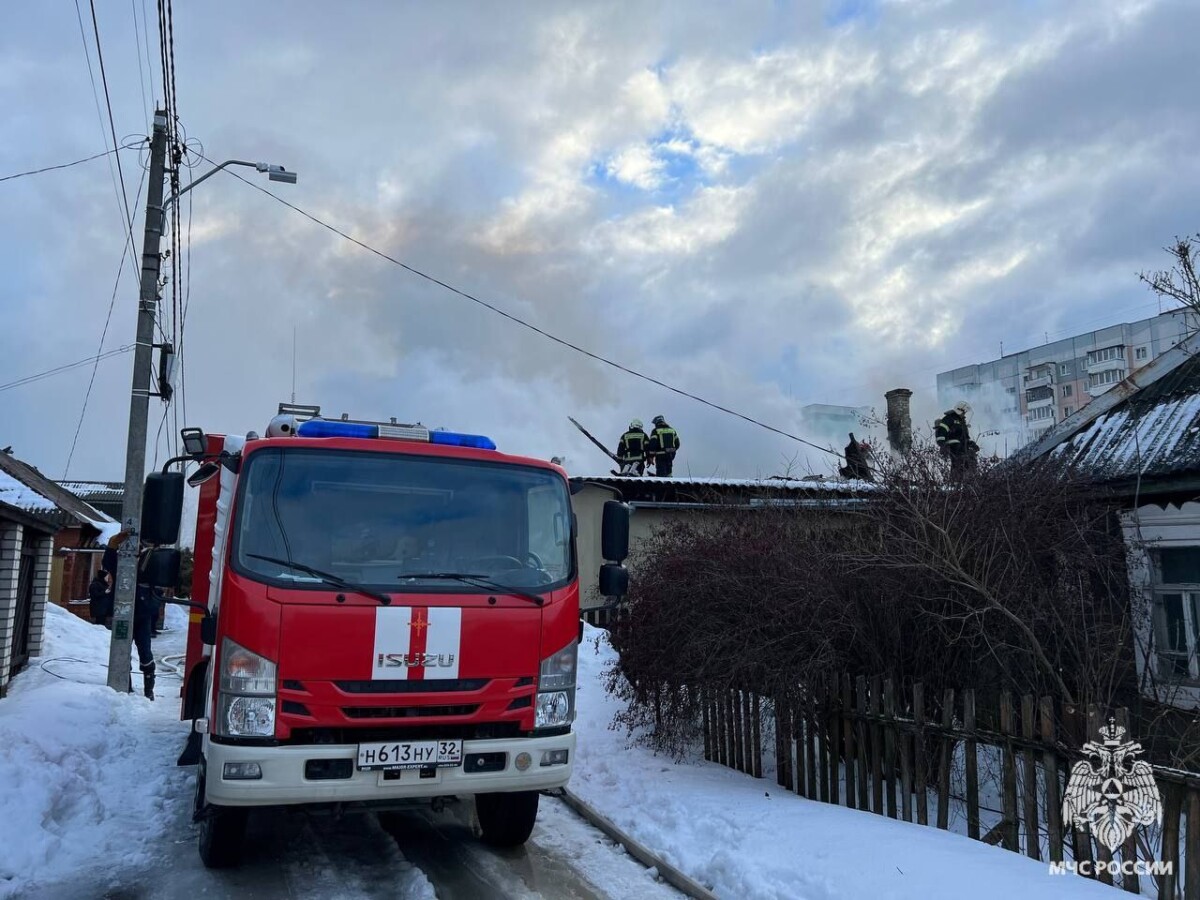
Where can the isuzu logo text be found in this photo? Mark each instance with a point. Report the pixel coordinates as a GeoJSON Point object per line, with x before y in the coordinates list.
{"type": "Point", "coordinates": [414, 660]}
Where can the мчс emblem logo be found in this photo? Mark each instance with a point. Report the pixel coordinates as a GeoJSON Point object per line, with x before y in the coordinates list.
{"type": "Point", "coordinates": [1112, 792]}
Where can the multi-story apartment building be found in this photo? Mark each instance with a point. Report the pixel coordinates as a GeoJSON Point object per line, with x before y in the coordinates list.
{"type": "Point", "coordinates": [1017, 397]}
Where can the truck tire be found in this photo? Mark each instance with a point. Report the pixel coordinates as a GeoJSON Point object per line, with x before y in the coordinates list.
{"type": "Point", "coordinates": [222, 831]}
{"type": "Point", "coordinates": [506, 820]}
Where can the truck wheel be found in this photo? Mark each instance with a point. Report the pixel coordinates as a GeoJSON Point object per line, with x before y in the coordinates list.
{"type": "Point", "coordinates": [506, 820]}
{"type": "Point", "coordinates": [222, 831]}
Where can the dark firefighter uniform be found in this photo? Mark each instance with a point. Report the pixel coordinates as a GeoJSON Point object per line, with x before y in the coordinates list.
{"type": "Point", "coordinates": [856, 461]}
{"type": "Point", "coordinates": [954, 441]}
{"type": "Point", "coordinates": [664, 443]}
{"type": "Point", "coordinates": [631, 450]}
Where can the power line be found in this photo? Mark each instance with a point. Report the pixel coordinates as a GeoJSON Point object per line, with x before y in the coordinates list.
{"type": "Point", "coordinates": [87, 57]}
{"type": "Point", "coordinates": [103, 334]}
{"type": "Point", "coordinates": [524, 324]}
{"type": "Point", "coordinates": [111, 124]}
{"type": "Point", "coordinates": [69, 164]}
{"type": "Point", "coordinates": [29, 379]}
{"type": "Point", "coordinates": [137, 43]}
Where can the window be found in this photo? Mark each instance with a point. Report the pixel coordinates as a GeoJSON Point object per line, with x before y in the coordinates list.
{"type": "Point", "coordinates": [1140, 353]}
{"type": "Point", "coordinates": [1064, 368]}
{"type": "Point", "coordinates": [1099, 356]}
{"type": "Point", "coordinates": [1176, 612]}
{"type": "Point", "coordinates": [1011, 390]}
{"type": "Point", "coordinates": [1067, 390]}
{"type": "Point", "coordinates": [1066, 411]}
{"type": "Point", "coordinates": [375, 518]}
{"type": "Point", "coordinates": [1108, 376]}
{"type": "Point", "coordinates": [1045, 412]}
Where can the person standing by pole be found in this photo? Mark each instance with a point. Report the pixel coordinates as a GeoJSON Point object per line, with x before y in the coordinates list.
{"type": "Point", "coordinates": [135, 451]}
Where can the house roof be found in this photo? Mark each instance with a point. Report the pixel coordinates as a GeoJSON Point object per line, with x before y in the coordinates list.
{"type": "Point", "coordinates": [91, 491]}
{"type": "Point", "coordinates": [649, 489]}
{"type": "Point", "coordinates": [25, 517]}
{"type": "Point", "coordinates": [1145, 431]}
{"type": "Point", "coordinates": [23, 486]}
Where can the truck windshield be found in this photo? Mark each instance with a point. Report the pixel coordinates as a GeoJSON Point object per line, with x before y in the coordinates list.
{"type": "Point", "coordinates": [379, 519]}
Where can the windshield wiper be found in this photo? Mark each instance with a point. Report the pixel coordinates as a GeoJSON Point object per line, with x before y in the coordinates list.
{"type": "Point", "coordinates": [329, 578]}
{"type": "Point", "coordinates": [476, 581]}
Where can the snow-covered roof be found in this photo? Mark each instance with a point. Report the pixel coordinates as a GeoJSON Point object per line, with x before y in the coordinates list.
{"type": "Point", "coordinates": [95, 490]}
{"type": "Point", "coordinates": [672, 491]}
{"type": "Point", "coordinates": [778, 483]}
{"type": "Point", "coordinates": [32, 491]}
{"type": "Point", "coordinates": [1148, 429]}
{"type": "Point", "coordinates": [18, 494]}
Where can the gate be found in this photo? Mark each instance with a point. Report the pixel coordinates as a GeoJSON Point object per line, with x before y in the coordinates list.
{"type": "Point", "coordinates": [24, 607]}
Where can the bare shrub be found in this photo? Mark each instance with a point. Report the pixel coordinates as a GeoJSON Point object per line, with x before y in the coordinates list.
{"type": "Point", "coordinates": [1010, 578]}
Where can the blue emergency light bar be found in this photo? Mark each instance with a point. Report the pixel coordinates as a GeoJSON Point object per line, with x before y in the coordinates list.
{"type": "Point", "coordinates": [328, 428]}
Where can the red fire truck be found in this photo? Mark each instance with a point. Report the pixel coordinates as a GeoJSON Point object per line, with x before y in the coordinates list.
{"type": "Point", "coordinates": [381, 613]}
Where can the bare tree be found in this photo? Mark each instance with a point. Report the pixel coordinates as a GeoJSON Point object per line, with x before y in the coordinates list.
{"type": "Point", "coordinates": [1180, 282]}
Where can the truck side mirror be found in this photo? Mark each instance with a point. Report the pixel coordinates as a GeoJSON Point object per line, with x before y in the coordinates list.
{"type": "Point", "coordinates": [204, 472]}
{"type": "Point", "coordinates": [614, 580]}
{"type": "Point", "coordinates": [160, 568]}
{"type": "Point", "coordinates": [614, 531]}
{"type": "Point", "coordinates": [162, 507]}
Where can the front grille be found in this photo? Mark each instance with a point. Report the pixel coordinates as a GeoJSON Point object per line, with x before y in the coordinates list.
{"type": "Point", "coordinates": [433, 686]}
{"type": "Point", "coordinates": [484, 731]}
{"type": "Point", "coordinates": [296, 709]}
{"type": "Point", "coordinates": [407, 712]}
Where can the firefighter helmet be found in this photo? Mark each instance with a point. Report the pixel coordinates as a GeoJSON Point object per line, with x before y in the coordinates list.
{"type": "Point", "coordinates": [635, 425]}
{"type": "Point", "coordinates": [659, 420]}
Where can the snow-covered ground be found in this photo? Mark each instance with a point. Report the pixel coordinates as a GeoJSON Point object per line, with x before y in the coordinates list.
{"type": "Point", "coordinates": [747, 837]}
{"type": "Point", "coordinates": [90, 796]}
{"type": "Point", "coordinates": [89, 793]}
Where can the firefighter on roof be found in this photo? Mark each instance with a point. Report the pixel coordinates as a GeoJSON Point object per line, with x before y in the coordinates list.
{"type": "Point", "coordinates": [953, 437]}
{"type": "Point", "coordinates": [856, 461]}
{"type": "Point", "coordinates": [664, 443]}
{"type": "Point", "coordinates": [631, 451]}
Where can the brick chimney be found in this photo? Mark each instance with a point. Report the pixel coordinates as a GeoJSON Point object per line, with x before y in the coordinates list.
{"type": "Point", "coordinates": [899, 420]}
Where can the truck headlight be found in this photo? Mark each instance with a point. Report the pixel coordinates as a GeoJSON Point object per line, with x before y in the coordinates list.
{"type": "Point", "coordinates": [245, 693]}
{"type": "Point", "coordinates": [555, 705]}
{"type": "Point", "coordinates": [554, 709]}
{"type": "Point", "coordinates": [247, 716]}
{"type": "Point", "coordinates": [244, 672]}
{"type": "Point", "coordinates": [558, 670]}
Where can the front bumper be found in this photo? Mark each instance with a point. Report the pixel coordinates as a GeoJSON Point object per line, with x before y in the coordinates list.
{"type": "Point", "coordinates": [283, 780]}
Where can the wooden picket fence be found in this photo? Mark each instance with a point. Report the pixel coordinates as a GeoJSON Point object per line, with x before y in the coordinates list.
{"type": "Point", "coordinates": [854, 742]}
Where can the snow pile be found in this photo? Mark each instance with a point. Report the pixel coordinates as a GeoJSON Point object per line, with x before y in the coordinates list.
{"type": "Point", "coordinates": [748, 837]}
{"type": "Point", "coordinates": [86, 774]}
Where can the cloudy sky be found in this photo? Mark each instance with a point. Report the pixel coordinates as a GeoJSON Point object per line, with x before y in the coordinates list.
{"type": "Point", "coordinates": [765, 204]}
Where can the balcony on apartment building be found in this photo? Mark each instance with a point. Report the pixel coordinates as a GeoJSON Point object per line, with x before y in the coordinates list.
{"type": "Point", "coordinates": [1105, 359]}
{"type": "Point", "coordinates": [1099, 382]}
{"type": "Point", "coordinates": [1041, 403]}
{"type": "Point", "coordinates": [1039, 376]}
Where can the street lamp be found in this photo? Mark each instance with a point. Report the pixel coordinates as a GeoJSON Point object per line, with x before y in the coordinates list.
{"type": "Point", "coordinates": [274, 173]}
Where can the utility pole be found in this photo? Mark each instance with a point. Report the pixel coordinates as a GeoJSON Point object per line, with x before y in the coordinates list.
{"type": "Point", "coordinates": [139, 401]}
